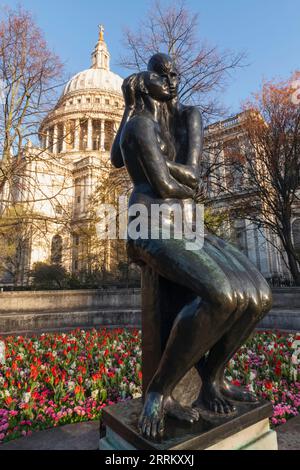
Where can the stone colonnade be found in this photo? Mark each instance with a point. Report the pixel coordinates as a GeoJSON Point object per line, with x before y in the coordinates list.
{"type": "Point", "coordinates": [80, 135]}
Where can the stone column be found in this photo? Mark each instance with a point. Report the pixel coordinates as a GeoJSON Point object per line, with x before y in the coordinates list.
{"type": "Point", "coordinates": [102, 135]}
{"type": "Point", "coordinates": [77, 134]}
{"type": "Point", "coordinates": [115, 128]}
{"type": "Point", "coordinates": [90, 134]}
{"type": "Point", "coordinates": [46, 139]}
{"type": "Point", "coordinates": [55, 140]}
{"type": "Point", "coordinates": [64, 137]}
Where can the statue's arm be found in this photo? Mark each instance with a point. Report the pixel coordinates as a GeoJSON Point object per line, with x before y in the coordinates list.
{"type": "Point", "coordinates": [155, 166]}
{"type": "Point", "coordinates": [183, 173]}
{"type": "Point", "coordinates": [116, 157]}
{"type": "Point", "coordinates": [188, 173]}
{"type": "Point", "coordinates": [195, 132]}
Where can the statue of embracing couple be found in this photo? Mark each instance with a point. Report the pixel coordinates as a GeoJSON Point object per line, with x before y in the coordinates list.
{"type": "Point", "coordinates": [160, 143]}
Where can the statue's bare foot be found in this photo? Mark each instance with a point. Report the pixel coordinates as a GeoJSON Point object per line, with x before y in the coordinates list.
{"type": "Point", "coordinates": [211, 397]}
{"type": "Point", "coordinates": [151, 422]}
{"type": "Point", "coordinates": [184, 413]}
{"type": "Point", "coordinates": [238, 393]}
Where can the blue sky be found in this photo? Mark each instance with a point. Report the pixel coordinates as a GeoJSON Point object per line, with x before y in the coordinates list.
{"type": "Point", "coordinates": [268, 30]}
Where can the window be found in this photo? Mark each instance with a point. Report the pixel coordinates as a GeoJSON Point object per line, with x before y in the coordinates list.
{"type": "Point", "coordinates": [77, 240]}
{"type": "Point", "coordinates": [106, 101]}
{"type": "Point", "coordinates": [79, 101]}
{"type": "Point", "coordinates": [296, 234]}
{"type": "Point", "coordinates": [88, 100]}
{"type": "Point", "coordinates": [116, 104]}
{"type": "Point", "coordinates": [70, 102]}
{"type": "Point", "coordinates": [56, 250]}
{"type": "Point", "coordinates": [239, 230]}
{"type": "Point", "coordinates": [78, 199]}
{"type": "Point", "coordinates": [97, 100]}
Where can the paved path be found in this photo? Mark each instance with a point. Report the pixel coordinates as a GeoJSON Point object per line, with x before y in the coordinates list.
{"type": "Point", "coordinates": [81, 436]}
{"type": "Point", "coordinates": [289, 435]}
{"type": "Point", "coordinates": [85, 436]}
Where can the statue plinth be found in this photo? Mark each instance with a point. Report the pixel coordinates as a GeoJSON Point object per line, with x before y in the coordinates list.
{"type": "Point", "coordinates": [162, 300]}
{"type": "Point", "coordinates": [248, 429]}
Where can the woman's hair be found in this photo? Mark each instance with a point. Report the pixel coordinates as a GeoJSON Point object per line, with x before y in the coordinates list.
{"type": "Point", "coordinates": [133, 89]}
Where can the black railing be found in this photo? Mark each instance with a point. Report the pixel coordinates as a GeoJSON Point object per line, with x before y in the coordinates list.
{"type": "Point", "coordinates": [281, 281]}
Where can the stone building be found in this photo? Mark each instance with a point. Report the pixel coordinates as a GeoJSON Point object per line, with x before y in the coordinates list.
{"type": "Point", "coordinates": [60, 177]}
{"type": "Point", "coordinates": [228, 192]}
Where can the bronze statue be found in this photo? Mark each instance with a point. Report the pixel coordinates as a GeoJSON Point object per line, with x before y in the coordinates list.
{"type": "Point", "coordinates": [160, 143]}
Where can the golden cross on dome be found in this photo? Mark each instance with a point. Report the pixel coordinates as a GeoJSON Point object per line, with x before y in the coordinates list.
{"type": "Point", "coordinates": [101, 33]}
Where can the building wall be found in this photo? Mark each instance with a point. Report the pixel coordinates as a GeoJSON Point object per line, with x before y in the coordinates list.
{"type": "Point", "coordinates": [226, 187]}
{"type": "Point", "coordinates": [37, 312]}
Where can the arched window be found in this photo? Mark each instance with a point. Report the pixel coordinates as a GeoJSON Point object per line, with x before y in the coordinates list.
{"type": "Point", "coordinates": [56, 249]}
{"type": "Point", "coordinates": [296, 234]}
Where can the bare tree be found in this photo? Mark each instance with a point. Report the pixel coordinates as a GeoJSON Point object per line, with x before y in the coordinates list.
{"type": "Point", "coordinates": [29, 75]}
{"type": "Point", "coordinates": [261, 169]}
{"type": "Point", "coordinates": [204, 69]}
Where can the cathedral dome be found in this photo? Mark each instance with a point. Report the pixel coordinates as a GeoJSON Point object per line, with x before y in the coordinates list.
{"type": "Point", "coordinates": [89, 111]}
{"type": "Point", "coordinates": [99, 75]}
{"type": "Point", "coordinates": [95, 78]}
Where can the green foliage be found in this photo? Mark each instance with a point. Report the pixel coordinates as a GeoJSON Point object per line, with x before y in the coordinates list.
{"type": "Point", "coordinates": [14, 236]}
{"type": "Point", "coordinates": [49, 276]}
{"type": "Point", "coordinates": [214, 220]}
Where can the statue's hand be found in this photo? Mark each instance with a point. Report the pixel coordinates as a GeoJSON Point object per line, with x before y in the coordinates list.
{"type": "Point", "coordinates": [128, 89]}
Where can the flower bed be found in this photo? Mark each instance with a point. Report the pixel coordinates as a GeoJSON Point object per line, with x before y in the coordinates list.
{"type": "Point", "coordinates": [58, 379]}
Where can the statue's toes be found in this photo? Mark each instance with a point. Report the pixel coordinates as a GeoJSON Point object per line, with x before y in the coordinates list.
{"type": "Point", "coordinates": [151, 428]}
{"type": "Point", "coordinates": [251, 397]}
{"type": "Point", "coordinates": [189, 414]}
{"type": "Point", "coordinates": [144, 426]}
{"type": "Point", "coordinates": [229, 408]}
{"type": "Point", "coordinates": [195, 414]}
{"type": "Point", "coordinates": [222, 407]}
{"type": "Point", "coordinates": [148, 428]}
{"type": "Point", "coordinates": [157, 429]}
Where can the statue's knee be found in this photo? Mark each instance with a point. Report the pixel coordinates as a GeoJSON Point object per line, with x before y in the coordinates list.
{"type": "Point", "coordinates": [225, 301]}
{"type": "Point", "coordinates": [255, 308]}
{"type": "Point", "coordinates": [242, 302]}
{"type": "Point", "coordinates": [266, 298]}
{"type": "Point", "coordinates": [261, 302]}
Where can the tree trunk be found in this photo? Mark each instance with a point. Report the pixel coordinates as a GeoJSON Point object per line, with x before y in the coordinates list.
{"type": "Point", "coordinates": [293, 265]}
{"type": "Point", "coordinates": [292, 258]}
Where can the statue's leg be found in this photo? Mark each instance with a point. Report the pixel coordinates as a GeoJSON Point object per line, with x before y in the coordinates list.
{"type": "Point", "coordinates": [213, 367]}
{"type": "Point", "coordinates": [196, 329]}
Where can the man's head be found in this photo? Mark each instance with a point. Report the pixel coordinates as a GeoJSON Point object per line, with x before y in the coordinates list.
{"type": "Point", "coordinates": [163, 65]}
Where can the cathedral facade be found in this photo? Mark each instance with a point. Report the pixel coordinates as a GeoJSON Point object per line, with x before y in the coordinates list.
{"type": "Point", "coordinates": [61, 175]}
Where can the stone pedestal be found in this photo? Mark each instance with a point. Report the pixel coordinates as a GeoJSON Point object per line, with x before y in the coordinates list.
{"type": "Point", "coordinates": [162, 300]}
{"type": "Point", "coordinates": [247, 429]}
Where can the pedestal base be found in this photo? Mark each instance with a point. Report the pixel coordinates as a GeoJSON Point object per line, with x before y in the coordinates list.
{"type": "Point", "coordinates": [248, 429]}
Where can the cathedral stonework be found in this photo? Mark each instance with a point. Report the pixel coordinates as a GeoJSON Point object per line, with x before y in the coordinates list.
{"type": "Point", "coordinates": [73, 158]}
